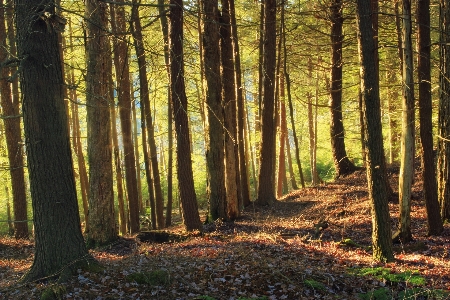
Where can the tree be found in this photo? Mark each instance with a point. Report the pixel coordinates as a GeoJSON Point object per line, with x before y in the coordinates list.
{"type": "Point", "coordinates": [122, 69]}
{"type": "Point", "coordinates": [425, 112]}
{"type": "Point", "coordinates": [11, 120]}
{"type": "Point", "coordinates": [145, 105]}
{"type": "Point", "coordinates": [241, 117]}
{"type": "Point", "coordinates": [232, 178]}
{"type": "Point", "coordinates": [215, 147]}
{"type": "Point", "coordinates": [407, 145]}
{"type": "Point", "coordinates": [185, 176]}
{"type": "Point", "coordinates": [59, 244]}
{"type": "Point", "coordinates": [443, 174]}
{"type": "Point", "coordinates": [373, 138]}
{"type": "Point", "coordinates": [342, 163]}
{"type": "Point", "coordinates": [266, 193]}
{"type": "Point", "coordinates": [102, 225]}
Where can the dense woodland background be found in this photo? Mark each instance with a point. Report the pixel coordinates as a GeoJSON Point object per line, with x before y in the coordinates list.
{"type": "Point", "coordinates": [201, 108]}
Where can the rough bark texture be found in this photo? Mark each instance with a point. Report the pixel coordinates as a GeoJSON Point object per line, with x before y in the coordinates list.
{"type": "Point", "coordinates": [102, 226]}
{"type": "Point", "coordinates": [215, 148]}
{"type": "Point", "coordinates": [266, 192]}
{"type": "Point", "coordinates": [179, 103]}
{"type": "Point", "coordinates": [443, 163]}
{"type": "Point", "coordinates": [145, 102]}
{"type": "Point", "coordinates": [241, 116]}
{"type": "Point", "coordinates": [425, 112]}
{"type": "Point", "coordinates": [122, 69]}
{"type": "Point", "coordinates": [342, 164]}
{"type": "Point", "coordinates": [407, 141]}
{"type": "Point", "coordinates": [11, 120]}
{"type": "Point", "coordinates": [232, 178]}
{"type": "Point", "coordinates": [381, 231]}
{"type": "Point", "coordinates": [59, 244]}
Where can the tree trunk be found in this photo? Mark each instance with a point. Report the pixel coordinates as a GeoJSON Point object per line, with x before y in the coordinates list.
{"type": "Point", "coordinates": [11, 120]}
{"type": "Point", "coordinates": [59, 245]}
{"type": "Point", "coordinates": [291, 114]}
{"type": "Point", "coordinates": [266, 193]}
{"type": "Point", "coordinates": [123, 219]}
{"type": "Point", "coordinates": [426, 124]}
{"type": "Point", "coordinates": [443, 162]}
{"type": "Point", "coordinates": [376, 173]}
{"type": "Point", "coordinates": [136, 151]}
{"type": "Point", "coordinates": [121, 64]}
{"type": "Point", "coordinates": [165, 32]}
{"type": "Point", "coordinates": [185, 176]}
{"type": "Point", "coordinates": [232, 178]}
{"type": "Point", "coordinates": [144, 93]}
{"type": "Point", "coordinates": [283, 137]}
{"type": "Point", "coordinates": [78, 148]}
{"type": "Point", "coordinates": [241, 116]}
{"type": "Point", "coordinates": [407, 144]}
{"type": "Point", "coordinates": [215, 148]}
{"type": "Point", "coordinates": [102, 227]}
{"type": "Point", "coordinates": [342, 164]}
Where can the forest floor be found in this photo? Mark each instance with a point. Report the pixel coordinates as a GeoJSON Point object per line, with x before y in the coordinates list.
{"type": "Point", "coordinates": [269, 253]}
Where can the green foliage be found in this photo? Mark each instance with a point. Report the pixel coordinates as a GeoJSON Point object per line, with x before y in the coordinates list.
{"type": "Point", "coordinates": [54, 292]}
{"type": "Point", "coordinates": [411, 277]}
{"type": "Point", "coordinates": [378, 294]}
{"type": "Point", "coordinates": [314, 284]}
{"type": "Point", "coordinates": [205, 297]}
{"type": "Point", "coordinates": [155, 277]}
{"type": "Point", "coordinates": [421, 293]}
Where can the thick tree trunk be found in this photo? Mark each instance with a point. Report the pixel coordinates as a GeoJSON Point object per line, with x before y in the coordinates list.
{"type": "Point", "coordinates": [266, 192]}
{"type": "Point", "coordinates": [407, 144]}
{"type": "Point", "coordinates": [102, 226]}
{"type": "Point", "coordinates": [215, 148]}
{"type": "Point", "coordinates": [59, 244]}
{"type": "Point", "coordinates": [121, 64]}
{"type": "Point", "coordinates": [426, 124]}
{"type": "Point", "coordinates": [11, 120]}
{"type": "Point", "coordinates": [232, 178]}
{"type": "Point", "coordinates": [376, 173]}
{"type": "Point", "coordinates": [342, 164]}
{"type": "Point", "coordinates": [443, 174]}
{"type": "Point", "coordinates": [179, 103]}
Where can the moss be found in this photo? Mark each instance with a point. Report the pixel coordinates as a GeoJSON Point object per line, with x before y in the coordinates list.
{"type": "Point", "coordinates": [54, 292]}
{"type": "Point", "coordinates": [314, 284]}
{"type": "Point", "coordinates": [156, 277]}
{"type": "Point", "coordinates": [378, 294]}
{"type": "Point", "coordinates": [411, 277]}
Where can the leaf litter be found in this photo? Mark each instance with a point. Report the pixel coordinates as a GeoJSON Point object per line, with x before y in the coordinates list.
{"type": "Point", "coordinates": [273, 252]}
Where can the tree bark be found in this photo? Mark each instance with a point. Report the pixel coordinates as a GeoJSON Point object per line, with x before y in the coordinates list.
{"type": "Point", "coordinates": [443, 162]}
{"type": "Point", "coordinates": [376, 173]}
{"type": "Point", "coordinates": [425, 113]}
{"type": "Point", "coordinates": [102, 225]}
{"type": "Point", "coordinates": [342, 164]}
{"type": "Point", "coordinates": [241, 115]}
{"type": "Point", "coordinates": [407, 144]}
{"type": "Point", "coordinates": [215, 148]}
{"type": "Point", "coordinates": [232, 178]}
{"type": "Point", "coordinates": [121, 64]}
{"type": "Point", "coordinates": [59, 244]}
{"type": "Point", "coordinates": [266, 192]}
{"type": "Point", "coordinates": [179, 104]}
{"type": "Point", "coordinates": [11, 121]}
